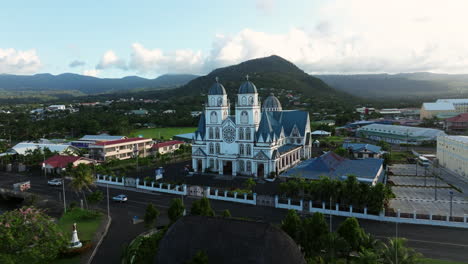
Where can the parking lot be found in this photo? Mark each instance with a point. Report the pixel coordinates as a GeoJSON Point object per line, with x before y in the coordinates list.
{"type": "Point", "coordinates": [416, 193]}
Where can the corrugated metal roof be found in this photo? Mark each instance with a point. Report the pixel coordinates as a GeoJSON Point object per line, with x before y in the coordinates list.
{"type": "Point", "coordinates": [440, 106]}
{"type": "Point", "coordinates": [101, 137]}
{"type": "Point", "coordinates": [22, 147]}
{"type": "Point", "coordinates": [402, 130]}
{"type": "Point", "coordinates": [362, 146]}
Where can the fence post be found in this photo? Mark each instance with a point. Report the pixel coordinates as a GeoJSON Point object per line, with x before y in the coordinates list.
{"type": "Point", "coordinates": [302, 205]}
{"type": "Point", "coordinates": [160, 185]}
{"type": "Point", "coordinates": [289, 201]}
{"type": "Point", "coordinates": [398, 214]}
{"type": "Point", "coordinates": [337, 207]}
{"type": "Point", "coordinates": [276, 201]}
{"type": "Point", "coordinates": [245, 196]}
{"type": "Point", "coordinates": [414, 214]}
{"type": "Point", "coordinates": [464, 218]}
{"type": "Point", "coordinates": [365, 210]}
{"type": "Point", "coordinates": [144, 183]}
{"type": "Point", "coordinates": [169, 186]}
{"type": "Point", "coordinates": [323, 205]}
{"type": "Point", "coordinates": [430, 216]}
{"type": "Point", "coordinates": [447, 218]}
{"type": "Point", "coordinates": [225, 193]}
{"type": "Point", "coordinates": [255, 198]}
{"type": "Point", "coordinates": [216, 192]}
{"type": "Point", "coordinates": [137, 182]}
{"type": "Point", "coordinates": [184, 188]}
{"type": "Point", "coordinates": [310, 206]}
{"type": "Point", "coordinates": [351, 209]}
{"type": "Point", "coordinates": [235, 195]}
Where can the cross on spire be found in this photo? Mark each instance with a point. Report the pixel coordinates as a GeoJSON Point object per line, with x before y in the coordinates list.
{"type": "Point", "coordinates": [216, 78]}
{"type": "Point", "coordinates": [247, 77]}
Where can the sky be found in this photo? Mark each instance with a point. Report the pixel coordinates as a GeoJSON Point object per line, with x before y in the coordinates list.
{"type": "Point", "coordinates": [148, 38]}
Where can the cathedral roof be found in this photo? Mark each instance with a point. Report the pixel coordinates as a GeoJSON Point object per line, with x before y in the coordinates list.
{"type": "Point", "coordinates": [217, 89]}
{"type": "Point", "coordinates": [201, 127]}
{"type": "Point", "coordinates": [247, 88]}
{"type": "Point", "coordinates": [272, 123]}
{"type": "Point", "coordinates": [271, 102]}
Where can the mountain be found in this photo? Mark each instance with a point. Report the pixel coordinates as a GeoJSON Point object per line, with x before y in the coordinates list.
{"type": "Point", "coordinates": [400, 86]}
{"type": "Point", "coordinates": [86, 84]}
{"type": "Point", "coordinates": [269, 74]}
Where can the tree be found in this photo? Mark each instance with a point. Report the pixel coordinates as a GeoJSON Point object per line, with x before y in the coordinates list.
{"type": "Point", "coordinates": [202, 207]}
{"type": "Point", "coordinates": [341, 152]}
{"type": "Point", "coordinates": [226, 213]}
{"type": "Point", "coordinates": [313, 235]}
{"type": "Point", "coordinates": [395, 251]}
{"type": "Point", "coordinates": [352, 233]}
{"type": "Point", "coordinates": [95, 197]}
{"type": "Point", "coordinates": [250, 183]}
{"type": "Point", "coordinates": [82, 179]}
{"type": "Point", "coordinates": [151, 215]}
{"type": "Point", "coordinates": [27, 235]}
{"type": "Point", "coordinates": [200, 258]}
{"type": "Point", "coordinates": [176, 210]}
{"type": "Point", "coordinates": [368, 256]}
{"type": "Point", "coordinates": [292, 225]}
{"type": "Point", "coordinates": [335, 248]}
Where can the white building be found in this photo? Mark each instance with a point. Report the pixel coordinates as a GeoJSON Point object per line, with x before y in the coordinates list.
{"type": "Point", "coordinates": [253, 141]}
{"type": "Point", "coordinates": [56, 107]}
{"type": "Point", "coordinates": [399, 134]}
{"type": "Point", "coordinates": [452, 153]}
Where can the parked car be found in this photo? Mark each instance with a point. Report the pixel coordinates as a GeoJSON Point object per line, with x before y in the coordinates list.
{"type": "Point", "coordinates": [120, 198]}
{"type": "Point", "coordinates": [55, 182]}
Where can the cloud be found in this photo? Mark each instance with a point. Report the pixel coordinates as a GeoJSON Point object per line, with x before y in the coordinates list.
{"type": "Point", "coordinates": [14, 61]}
{"type": "Point", "coordinates": [76, 63]}
{"type": "Point", "coordinates": [265, 6]}
{"type": "Point", "coordinates": [145, 60]}
{"type": "Point", "coordinates": [110, 60]}
{"type": "Point", "coordinates": [91, 72]}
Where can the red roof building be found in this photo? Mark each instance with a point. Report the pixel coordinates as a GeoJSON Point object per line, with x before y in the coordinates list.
{"type": "Point", "coordinates": [167, 146]}
{"type": "Point", "coordinates": [121, 148]}
{"type": "Point", "coordinates": [457, 124]}
{"type": "Point", "coordinates": [59, 163]}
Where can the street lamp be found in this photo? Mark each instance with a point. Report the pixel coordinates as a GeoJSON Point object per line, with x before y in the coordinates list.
{"type": "Point", "coordinates": [331, 215]}
{"type": "Point", "coordinates": [451, 201]}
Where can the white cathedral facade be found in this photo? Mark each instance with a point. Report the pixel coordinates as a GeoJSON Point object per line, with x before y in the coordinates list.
{"type": "Point", "coordinates": [256, 140]}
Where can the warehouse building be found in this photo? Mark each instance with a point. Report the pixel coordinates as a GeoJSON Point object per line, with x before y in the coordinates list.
{"type": "Point", "coordinates": [399, 134]}
{"type": "Point", "coordinates": [452, 153]}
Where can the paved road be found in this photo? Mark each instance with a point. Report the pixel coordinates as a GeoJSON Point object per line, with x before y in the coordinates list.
{"type": "Point", "coordinates": [433, 242]}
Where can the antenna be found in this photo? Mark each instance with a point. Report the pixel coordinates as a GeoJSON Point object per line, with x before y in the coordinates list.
{"type": "Point", "coordinates": [216, 79]}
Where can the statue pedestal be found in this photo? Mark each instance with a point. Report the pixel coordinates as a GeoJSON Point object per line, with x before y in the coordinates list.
{"type": "Point", "coordinates": [75, 242]}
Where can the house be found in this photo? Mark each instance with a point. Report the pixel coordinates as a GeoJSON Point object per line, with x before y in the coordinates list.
{"type": "Point", "coordinates": [169, 111]}
{"type": "Point", "coordinates": [195, 113]}
{"type": "Point", "coordinates": [23, 148]}
{"type": "Point", "coordinates": [457, 124]}
{"type": "Point", "coordinates": [338, 168]}
{"type": "Point", "coordinates": [56, 107]}
{"type": "Point", "coordinates": [363, 150]}
{"type": "Point", "coordinates": [120, 149]}
{"type": "Point", "coordinates": [138, 112]}
{"type": "Point", "coordinates": [59, 163]}
{"type": "Point", "coordinates": [86, 140]}
{"type": "Point", "coordinates": [320, 133]}
{"type": "Point", "coordinates": [228, 241]}
{"type": "Point", "coordinates": [166, 147]}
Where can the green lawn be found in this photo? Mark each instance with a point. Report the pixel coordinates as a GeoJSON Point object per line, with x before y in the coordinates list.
{"type": "Point", "coordinates": [400, 156]}
{"type": "Point", "coordinates": [436, 261]}
{"type": "Point", "coordinates": [165, 132]}
{"type": "Point", "coordinates": [86, 227]}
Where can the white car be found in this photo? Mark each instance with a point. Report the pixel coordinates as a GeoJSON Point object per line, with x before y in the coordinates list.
{"type": "Point", "coordinates": [55, 182]}
{"type": "Point", "coordinates": [120, 198]}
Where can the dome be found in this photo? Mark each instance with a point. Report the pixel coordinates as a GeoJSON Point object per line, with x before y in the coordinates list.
{"type": "Point", "coordinates": [247, 88]}
{"type": "Point", "coordinates": [217, 89]}
{"type": "Point", "coordinates": [271, 103]}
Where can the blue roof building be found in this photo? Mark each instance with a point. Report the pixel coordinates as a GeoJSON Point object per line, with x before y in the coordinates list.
{"type": "Point", "coordinates": [336, 167]}
{"type": "Point", "coordinates": [363, 150]}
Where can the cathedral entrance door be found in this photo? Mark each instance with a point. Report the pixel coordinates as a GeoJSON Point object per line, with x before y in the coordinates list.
{"type": "Point", "coordinates": [199, 165]}
{"type": "Point", "coordinates": [260, 170]}
{"type": "Point", "coordinates": [227, 167]}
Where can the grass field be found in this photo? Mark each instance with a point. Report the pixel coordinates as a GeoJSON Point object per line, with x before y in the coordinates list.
{"type": "Point", "coordinates": [164, 132]}
{"type": "Point", "coordinates": [86, 230]}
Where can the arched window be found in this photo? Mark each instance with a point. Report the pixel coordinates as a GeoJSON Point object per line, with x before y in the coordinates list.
{"type": "Point", "coordinates": [241, 149]}
{"type": "Point", "coordinates": [249, 166]}
{"type": "Point", "coordinates": [251, 101]}
{"type": "Point", "coordinates": [218, 148]}
{"type": "Point", "coordinates": [214, 117]}
{"type": "Point", "coordinates": [247, 134]}
{"type": "Point", "coordinates": [244, 100]}
{"type": "Point", "coordinates": [210, 133]}
{"type": "Point", "coordinates": [217, 133]}
{"type": "Point", "coordinates": [248, 149]}
{"type": "Point", "coordinates": [211, 148]}
{"type": "Point", "coordinates": [241, 133]}
{"type": "Point", "coordinates": [212, 103]}
{"type": "Point", "coordinates": [241, 165]}
{"type": "Point", "coordinates": [244, 117]}
{"type": "Point", "coordinates": [220, 101]}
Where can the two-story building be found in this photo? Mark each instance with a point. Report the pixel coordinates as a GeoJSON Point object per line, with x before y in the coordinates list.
{"type": "Point", "coordinates": [120, 149]}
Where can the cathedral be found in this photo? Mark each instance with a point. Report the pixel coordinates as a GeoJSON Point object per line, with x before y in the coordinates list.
{"type": "Point", "coordinates": [257, 140]}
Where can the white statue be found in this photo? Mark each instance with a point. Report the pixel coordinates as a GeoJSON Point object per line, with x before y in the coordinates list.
{"type": "Point", "coordinates": [75, 242]}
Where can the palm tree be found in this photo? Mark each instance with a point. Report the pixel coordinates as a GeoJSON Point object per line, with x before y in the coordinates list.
{"type": "Point", "coordinates": [82, 179]}
{"type": "Point", "coordinates": [395, 251]}
{"type": "Point", "coordinates": [368, 256]}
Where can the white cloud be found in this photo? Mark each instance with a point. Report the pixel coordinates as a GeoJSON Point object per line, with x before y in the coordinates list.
{"type": "Point", "coordinates": [76, 63]}
{"type": "Point", "coordinates": [145, 60]}
{"type": "Point", "coordinates": [14, 61]}
{"type": "Point", "coordinates": [265, 6]}
{"type": "Point", "coordinates": [110, 60]}
{"type": "Point", "coordinates": [91, 72]}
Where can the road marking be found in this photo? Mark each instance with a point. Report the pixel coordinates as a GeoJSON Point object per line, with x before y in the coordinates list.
{"type": "Point", "coordinates": [430, 242]}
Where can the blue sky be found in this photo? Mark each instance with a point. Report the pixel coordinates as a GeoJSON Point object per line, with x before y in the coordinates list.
{"type": "Point", "coordinates": [149, 38]}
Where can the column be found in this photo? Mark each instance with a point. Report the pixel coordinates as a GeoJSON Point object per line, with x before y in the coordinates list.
{"type": "Point", "coordinates": [234, 168]}
{"type": "Point", "coordinates": [220, 164]}
{"type": "Point", "coordinates": [195, 164]}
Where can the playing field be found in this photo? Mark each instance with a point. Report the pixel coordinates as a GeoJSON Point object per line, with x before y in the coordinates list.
{"type": "Point", "coordinates": [164, 132]}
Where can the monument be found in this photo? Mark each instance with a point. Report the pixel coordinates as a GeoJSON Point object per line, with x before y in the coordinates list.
{"type": "Point", "coordinates": [75, 242]}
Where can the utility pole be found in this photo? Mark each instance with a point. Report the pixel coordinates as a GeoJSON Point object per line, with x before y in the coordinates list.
{"type": "Point", "coordinates": [108, 211]}
{"type": "Point", "coordinates": [396, 242]}
{"type": "Point", "coordinates": [63, 189]}
{"type": "Point", "coordinates": [451, 201]}
{"type": "Point", "coordinates": [331, 229]}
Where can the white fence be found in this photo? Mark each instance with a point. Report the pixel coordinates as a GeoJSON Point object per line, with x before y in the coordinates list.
{"type": "Point", "coordinates": [238, 198]}
{"type": "Point", "coordinates": [110, 180]}
{"type": "Point", "coordinates": [288, 205]}
{"type": "Point", "coordinates": [162, 187]}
